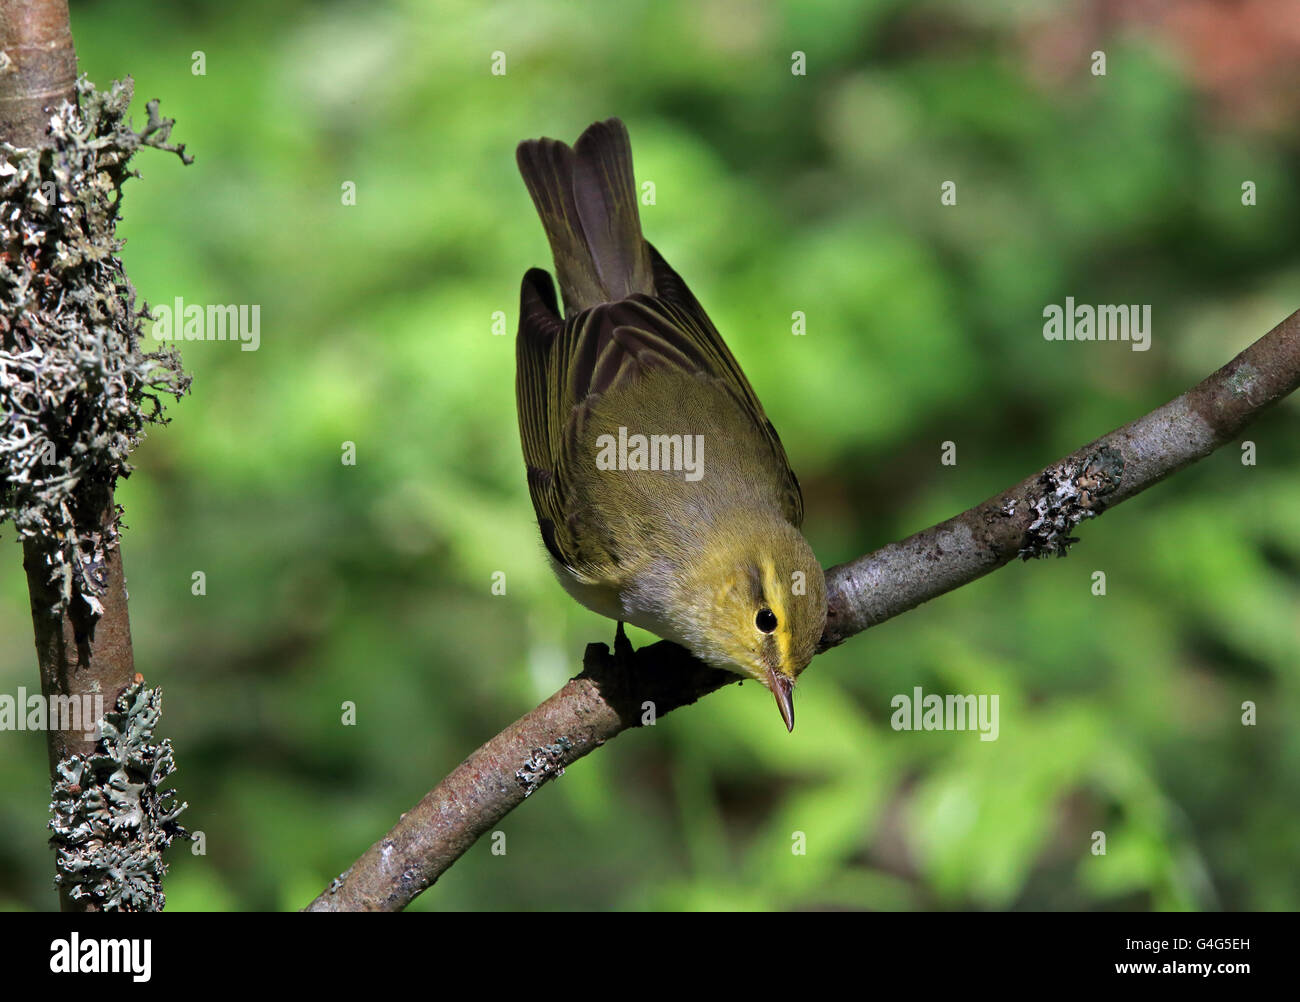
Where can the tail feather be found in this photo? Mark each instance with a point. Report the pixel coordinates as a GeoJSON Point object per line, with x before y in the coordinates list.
{"type": "Point", "coordinates": [586, 198]}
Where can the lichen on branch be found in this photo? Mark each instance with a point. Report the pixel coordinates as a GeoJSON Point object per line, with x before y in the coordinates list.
{"type": "Point", "coordinates": [1067, 496]}
{"type": "Point", "coordinates": [76, 386]}
{"type": "Point", "coordinates": [111, 818]}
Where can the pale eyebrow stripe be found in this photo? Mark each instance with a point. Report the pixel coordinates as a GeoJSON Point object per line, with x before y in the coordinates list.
{"type": "Point", "coordinates": [775, 597]}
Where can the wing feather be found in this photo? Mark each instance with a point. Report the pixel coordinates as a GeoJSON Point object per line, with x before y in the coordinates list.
{"type": "Point", "coordinates": [565, 366]}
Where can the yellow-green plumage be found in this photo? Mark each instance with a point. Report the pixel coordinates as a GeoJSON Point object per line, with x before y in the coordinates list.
{"type": "Point", "coordinates": [708, 556]}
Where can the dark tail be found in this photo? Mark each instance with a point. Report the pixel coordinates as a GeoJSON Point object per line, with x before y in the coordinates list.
{"type": "Point", "coordinates": [586, 197]}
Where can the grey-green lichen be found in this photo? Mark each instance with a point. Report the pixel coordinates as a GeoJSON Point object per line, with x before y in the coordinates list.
{"type": "Point", "coordinates": [111, 818]}
{"type": "Point", "coordinates": [76, 387]}
{"type": "Point", "coordinates": [1069, 493]}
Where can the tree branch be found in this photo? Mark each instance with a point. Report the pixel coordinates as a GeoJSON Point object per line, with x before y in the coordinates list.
{"type": "Point", "coordinates": [1032, 519]}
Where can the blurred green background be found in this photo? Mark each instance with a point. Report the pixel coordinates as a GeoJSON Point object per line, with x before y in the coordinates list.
{"type": "Point", "coordinates": [774, 193]}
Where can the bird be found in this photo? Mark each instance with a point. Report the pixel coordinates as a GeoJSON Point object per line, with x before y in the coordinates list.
{"type": "Point", "coordinates": [662, 492]}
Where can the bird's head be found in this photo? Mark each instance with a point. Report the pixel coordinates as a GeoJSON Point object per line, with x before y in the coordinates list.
{"type": "Point", "coordinates": [757, 605]}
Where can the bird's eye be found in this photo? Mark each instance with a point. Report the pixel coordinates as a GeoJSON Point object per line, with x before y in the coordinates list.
{"type": "Point", "coordinates": [765, 620]}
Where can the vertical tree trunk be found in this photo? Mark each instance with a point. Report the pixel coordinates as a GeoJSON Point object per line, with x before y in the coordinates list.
{"type": "Point", "coordinates": [78, 653]}
{"type": "Point", "coordinates": [38, 68]}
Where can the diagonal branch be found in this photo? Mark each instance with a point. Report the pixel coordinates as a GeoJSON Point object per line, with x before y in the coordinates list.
{"type": "Point", "coordinates": [1034, 518]}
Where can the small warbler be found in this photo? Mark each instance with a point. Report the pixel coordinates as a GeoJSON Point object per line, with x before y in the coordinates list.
{"type": "Point", "coordinates": [662, 491]}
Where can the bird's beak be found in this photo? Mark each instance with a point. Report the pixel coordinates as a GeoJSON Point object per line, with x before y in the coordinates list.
{"type": "Point", "coordinates": [782, 687]}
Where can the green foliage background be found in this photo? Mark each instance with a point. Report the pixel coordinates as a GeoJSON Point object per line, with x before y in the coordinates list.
{"type": "Point", "coordinates": [774, 193]}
